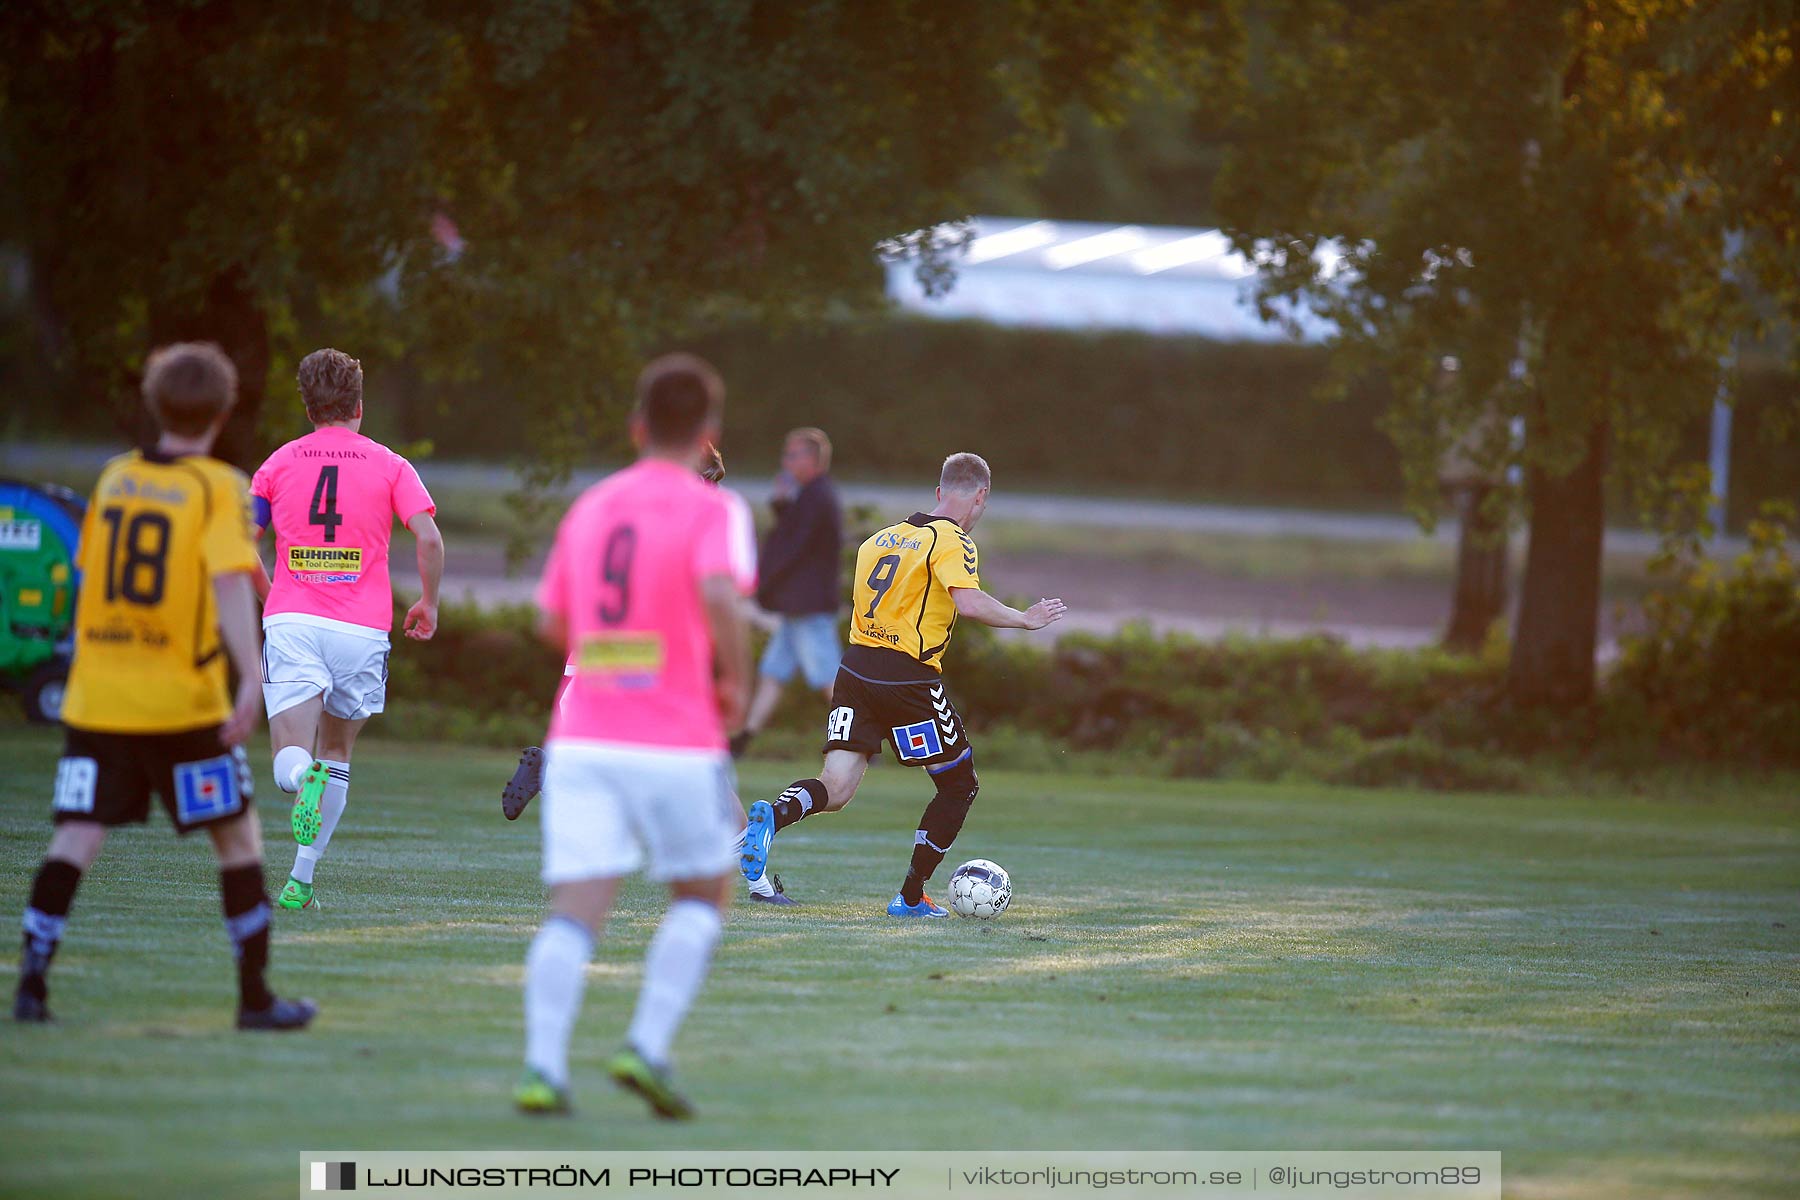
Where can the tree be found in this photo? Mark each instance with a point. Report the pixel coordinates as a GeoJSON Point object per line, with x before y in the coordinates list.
{"type": "Point", "coordinates": [1153, 164]}
{"type": "Point", "coordinates": [1478, 597]}
{"type": "Point", "coordinates": [546, 190]}
{"type": "Point", "coordinates": [1551, 193]}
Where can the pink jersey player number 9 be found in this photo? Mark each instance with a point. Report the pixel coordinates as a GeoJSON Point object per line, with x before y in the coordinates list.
{"type": "Point", "coordinates": [625, 575]}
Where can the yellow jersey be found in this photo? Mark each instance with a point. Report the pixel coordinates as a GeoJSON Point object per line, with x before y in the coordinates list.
{"type": "Point", "coordinates": [148, 658]}
{"type": "Point", "coordinates": [901, 598]}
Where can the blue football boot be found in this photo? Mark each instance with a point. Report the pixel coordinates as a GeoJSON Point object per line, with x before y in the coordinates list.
{"type": "Point", "coordinates": [926, 907]}
{"type": "Point", "coordinates": [757, 836]}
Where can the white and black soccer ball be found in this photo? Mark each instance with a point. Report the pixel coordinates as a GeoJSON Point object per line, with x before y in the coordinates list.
{"type": "Point", "coordinates": [980, 888]}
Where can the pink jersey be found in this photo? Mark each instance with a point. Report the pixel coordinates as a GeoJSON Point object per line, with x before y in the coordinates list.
{"type": "Point", "coordinates": [332, 497]}
{"type": "Point", "coordinates": [625, 574]}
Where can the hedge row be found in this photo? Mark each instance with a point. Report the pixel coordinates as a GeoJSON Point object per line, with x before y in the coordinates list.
{"type": "Point", "coordinates": [1711, 682]}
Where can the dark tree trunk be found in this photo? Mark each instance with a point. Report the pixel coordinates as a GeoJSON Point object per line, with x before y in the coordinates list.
{"type": "Point", "coordinates": [1481, 550]}
{"type": "Point", "coordinates": [1559, 602]}
{"type": "Point", "coordinates": [227, 314]}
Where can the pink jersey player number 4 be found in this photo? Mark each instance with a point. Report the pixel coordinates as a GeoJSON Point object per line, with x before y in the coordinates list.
{"type": "Point", "coordinates": [625, 575]}
{"type": "Point", "coordinates": [332, 497]}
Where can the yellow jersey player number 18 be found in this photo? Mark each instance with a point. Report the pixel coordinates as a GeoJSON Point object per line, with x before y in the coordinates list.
{"type": "Point", "coordinates": [166, 597]}
{"type": "Point", "coordinates": [913, 580]}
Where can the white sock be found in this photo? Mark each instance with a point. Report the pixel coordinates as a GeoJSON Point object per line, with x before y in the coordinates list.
{"type": "Point", "coordinates": [674, 968]}
{"type": "Point", "coordinates": [305, 859]}
{"type": "Point", "coordinates": [331, 807]}
{"type": "Point", "coordinates": [555, 976]}
{"type": "Point", "coordinates": [290, 765]}
{"type": "Point", "coordinates": [759, 887]}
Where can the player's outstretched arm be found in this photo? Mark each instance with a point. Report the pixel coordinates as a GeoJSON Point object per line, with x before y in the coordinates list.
{"type": "Point", "coordinates": [421, 618]}
{"type": "Point", "coordinates": [236, 596]}
{"type": "Point", "coordinates": [731, 647]}
{"type": "Point", "coordinates": [977, 605]}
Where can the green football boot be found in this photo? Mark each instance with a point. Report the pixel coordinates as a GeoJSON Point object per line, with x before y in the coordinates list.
{"type": "Point", "coordinates": [538, 1097]}
{"type": "Point", "coordinates": [306, 804]}
{"type": "Point", "coordinates": [297, 895]}
{"type": "Point", "coordinates": [635, 1073]}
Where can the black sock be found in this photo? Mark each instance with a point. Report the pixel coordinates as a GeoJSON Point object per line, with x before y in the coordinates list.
{"type": "Point", "coordinates": [740, 742]}
{"type": "Point", "coordinates": [247, 921]}
{"type": "Point", "coordinates": [937, 831]}
{"type": "Point", "coordinates": [45, 915]}
{"type": "Point", "coordinates": [912, 888]}
{"type": "Point", "coordinates": [803, 798]}
{"type": "Point", "coordinates": [925, 860]}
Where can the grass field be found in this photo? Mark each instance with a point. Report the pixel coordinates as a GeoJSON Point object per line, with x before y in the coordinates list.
{"type": "Point", "coordinates": [1604, 989]}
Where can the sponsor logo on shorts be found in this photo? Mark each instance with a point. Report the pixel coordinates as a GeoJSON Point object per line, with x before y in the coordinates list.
{"type": "Point", "coordinates": [624, 660]}
{"type": "Point", "coordinates": [208, 788]}
{"type": "Point", "coordinates": [946, 716]}
{"type": "Point", "coordinates": [915, 742]}
{"type": "Point", "coordinates": [76, 779]}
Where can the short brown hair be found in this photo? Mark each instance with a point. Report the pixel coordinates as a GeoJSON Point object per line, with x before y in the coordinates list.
{"type": "Point", "coordinates": [966, 473]}
{"type": "Point", "coordinates": [188, 386]}
{"type": "Point", "coordinates": [331, 385]}
{"type": "Point", "coordinates": [677, 394]}
{"type": "Point", "coordinates": [821, 445]}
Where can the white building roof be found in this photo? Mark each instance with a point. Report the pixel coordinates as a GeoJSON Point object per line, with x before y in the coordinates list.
{"type": "Point", "coordinates": [1082, 275]}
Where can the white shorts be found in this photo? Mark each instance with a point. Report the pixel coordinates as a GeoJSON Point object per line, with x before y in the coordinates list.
{"type": "Point", "coordinates": [303, 661]}
{"type": "Point", "coordinates": [609, 810]}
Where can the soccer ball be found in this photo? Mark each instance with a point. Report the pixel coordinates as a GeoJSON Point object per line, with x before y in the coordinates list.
{"type": "Point", "coordinates": [980, 888]}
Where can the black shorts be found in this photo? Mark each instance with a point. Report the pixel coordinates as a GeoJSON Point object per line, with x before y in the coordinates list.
{"type": "Point", "coordinates": [916, 717]}
{"type": "Point", "coordinates": [108, 778]}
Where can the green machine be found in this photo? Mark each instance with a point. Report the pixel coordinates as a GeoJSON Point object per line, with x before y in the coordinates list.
{"type": "Point", "coordinates": [40, 525]}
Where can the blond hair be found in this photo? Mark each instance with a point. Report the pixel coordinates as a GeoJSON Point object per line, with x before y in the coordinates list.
{"type": "Point", "coordinates": [965, 473]}
{"type": "Point", "coordinates": [188, 386]}
{"type": "Point", "coordinates": [821, 445]}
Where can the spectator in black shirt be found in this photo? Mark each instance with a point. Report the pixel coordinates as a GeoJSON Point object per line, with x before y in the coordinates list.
{"type": "Point", "coordinates": [798, 579]}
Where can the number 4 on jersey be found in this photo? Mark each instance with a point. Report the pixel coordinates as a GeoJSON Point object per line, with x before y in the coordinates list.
{"type": "Point", "coordinates": [324, 503]}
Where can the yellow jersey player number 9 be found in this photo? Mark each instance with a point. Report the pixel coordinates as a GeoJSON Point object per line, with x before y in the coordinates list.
{"type": "Point", "coordinates": [913, 581]}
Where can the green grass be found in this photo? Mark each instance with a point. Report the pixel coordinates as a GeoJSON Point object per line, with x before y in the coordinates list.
{"type": "Point", "coordinates": [1605, 989]}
